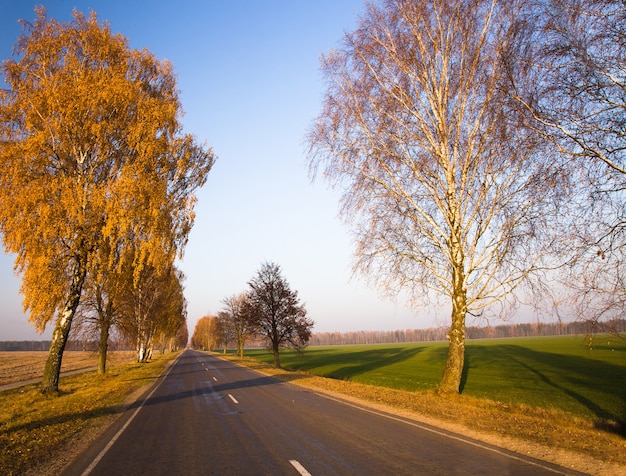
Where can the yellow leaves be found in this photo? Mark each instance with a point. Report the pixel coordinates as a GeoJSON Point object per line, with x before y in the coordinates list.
{"type": "Point", "coordinates": [91, 165]}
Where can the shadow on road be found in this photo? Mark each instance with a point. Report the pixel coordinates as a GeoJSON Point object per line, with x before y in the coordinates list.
{"type": "Point", "coordinates": [188, 365]}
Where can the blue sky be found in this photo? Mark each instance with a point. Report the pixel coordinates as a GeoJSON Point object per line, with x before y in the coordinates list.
{"type": "Point", "coordinates": [250, 86]}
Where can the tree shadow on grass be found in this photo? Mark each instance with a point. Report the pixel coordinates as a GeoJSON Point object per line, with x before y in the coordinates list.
{"type": "Point", "coordinates": [351, 364]}
{"type": "Point", "coordinates": [66, 417]}
{"type": "Point", "coordinates": [574, 377]}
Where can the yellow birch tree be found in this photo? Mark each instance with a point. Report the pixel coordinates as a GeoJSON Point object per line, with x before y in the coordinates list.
{"type": "Point", "coordinates": [205, 334]}
{"type": "Point", "coordinates": [94, 166]}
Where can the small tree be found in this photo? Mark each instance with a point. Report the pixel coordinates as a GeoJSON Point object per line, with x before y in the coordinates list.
{"type": "Point", "coordinates": [98, 314]}
{"type": "Point", "coordinates": [181, 339]}
{"type": "Point", "coordinates": [225, 331]}
{"type": "Point", "coordinates": [239, 310]}
{"type": "Point", "coordinates": [277, 312]}
{"type": "Point", "coordinates": [205, 334]}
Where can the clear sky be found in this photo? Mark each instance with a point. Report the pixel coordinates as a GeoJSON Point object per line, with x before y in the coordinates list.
{"type": "Point", "coordinates": [250, 86]}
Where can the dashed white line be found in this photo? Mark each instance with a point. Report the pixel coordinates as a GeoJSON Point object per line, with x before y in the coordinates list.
{"type": "Point", "coordinates": [299, 468]}
{"type": "Point", "coordinates": [233, 398]}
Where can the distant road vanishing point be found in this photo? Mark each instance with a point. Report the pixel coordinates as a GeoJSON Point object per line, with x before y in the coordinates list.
{"type": "Point", "coordinates": [209, 416]}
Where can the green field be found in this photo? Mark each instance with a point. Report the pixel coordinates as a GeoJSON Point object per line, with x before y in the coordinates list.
{"type": "Point", "coordinates": [547, 372]}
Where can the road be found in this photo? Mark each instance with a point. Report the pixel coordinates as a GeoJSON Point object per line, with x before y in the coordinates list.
{"type": "Point", "coordinates": [209, 416]}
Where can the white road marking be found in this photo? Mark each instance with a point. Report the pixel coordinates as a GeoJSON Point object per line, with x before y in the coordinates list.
{"type": "Point", "coordinates": [214, 379]}
{"type": "Point", "coordinates": [460, 438]}
{"type": "Point", "coordinates": [299, 468]}
{"type": "Point", "coordinates": [233, 398]}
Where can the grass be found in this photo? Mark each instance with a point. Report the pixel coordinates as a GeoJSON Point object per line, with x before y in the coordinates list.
{"type": "Point", "coordinates": [35, 428]}
{"type": "Point", "coordinates": [552, 391]}
{"type": "Point", "coordinates": [559, 373]}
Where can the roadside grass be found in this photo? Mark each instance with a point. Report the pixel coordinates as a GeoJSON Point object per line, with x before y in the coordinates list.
{"type": "Point", "coordinates": [554, 391]}
{"type": "Point", "coordinates": [35, 428]}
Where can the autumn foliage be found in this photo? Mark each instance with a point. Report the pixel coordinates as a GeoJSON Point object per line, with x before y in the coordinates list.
{"type": "Point", "coordinates": [95, 172]}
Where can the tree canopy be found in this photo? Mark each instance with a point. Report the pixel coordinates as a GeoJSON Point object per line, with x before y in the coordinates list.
{"type": "Point", "coordinates": [240, 318]}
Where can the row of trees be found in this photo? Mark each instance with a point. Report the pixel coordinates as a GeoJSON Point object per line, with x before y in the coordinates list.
{"type": "Point", "coordinates": [154, 318]}
{"type": "Point", "coordinates": [613, 328]}
{"type": "Point", "coordinates": [269, 309]}
{"type": "Point", "coordinates": [97, 183]}
{"type": "Point", "coordinates": [149, 314]}
{"type": "Point", "coordinates": [208, 336]}
{"type": "Point", "coordinates": [480, 146]}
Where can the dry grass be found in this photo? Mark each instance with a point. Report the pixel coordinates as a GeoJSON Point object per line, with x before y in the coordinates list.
{"type": "Point", "coordinates": [48, 431]}
{"type": "Point", "coordinates": [545, 434]}
{"type": "Point", "coordinates": [21, 366]}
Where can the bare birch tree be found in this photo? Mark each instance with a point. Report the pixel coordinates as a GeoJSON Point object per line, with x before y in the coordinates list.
{"type": "Point", "coordinates": [442, 186]}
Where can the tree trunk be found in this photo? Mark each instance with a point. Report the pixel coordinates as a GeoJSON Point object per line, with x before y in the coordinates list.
{"type": "Point", "coordinates": [143, 351]}
{"type": "Point", "coordinates": [453, 371]}
{"type": "Point", "coordinates": [105, 327]}
{"type": "Point", "coordinates": [276, 355]}
{"type": "Point", "coordinates": [52, 370]}
{"type": "Point", "coordinates": [104, 345]}
{"type": "Point", "coordinates": [141, 345]}
{"type": "Point", "coordinates": [455, 361]}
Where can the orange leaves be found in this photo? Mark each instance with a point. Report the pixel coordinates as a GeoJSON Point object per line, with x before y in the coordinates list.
{"type": "Point", "coordinates": [90, 162]}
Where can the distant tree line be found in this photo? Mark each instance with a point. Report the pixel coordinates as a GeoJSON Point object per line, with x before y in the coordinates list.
{"type": "Point", "coordinates": [432, 334]}
{"type": "Point", "coordinates": [87, 345]}
{"type": "Point", "coordinates": [24, 345]}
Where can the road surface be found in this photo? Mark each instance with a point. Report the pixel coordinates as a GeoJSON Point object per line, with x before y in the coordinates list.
{"type": "Point", "coordinates": [209, 416]}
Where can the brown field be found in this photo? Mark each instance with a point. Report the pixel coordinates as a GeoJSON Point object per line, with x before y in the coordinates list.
{"type": "Point", "coordinates": [20, 366]}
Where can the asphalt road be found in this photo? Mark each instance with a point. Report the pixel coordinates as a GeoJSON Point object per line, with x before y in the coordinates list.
{"type": "Point", "coordinates": [209, 416]}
